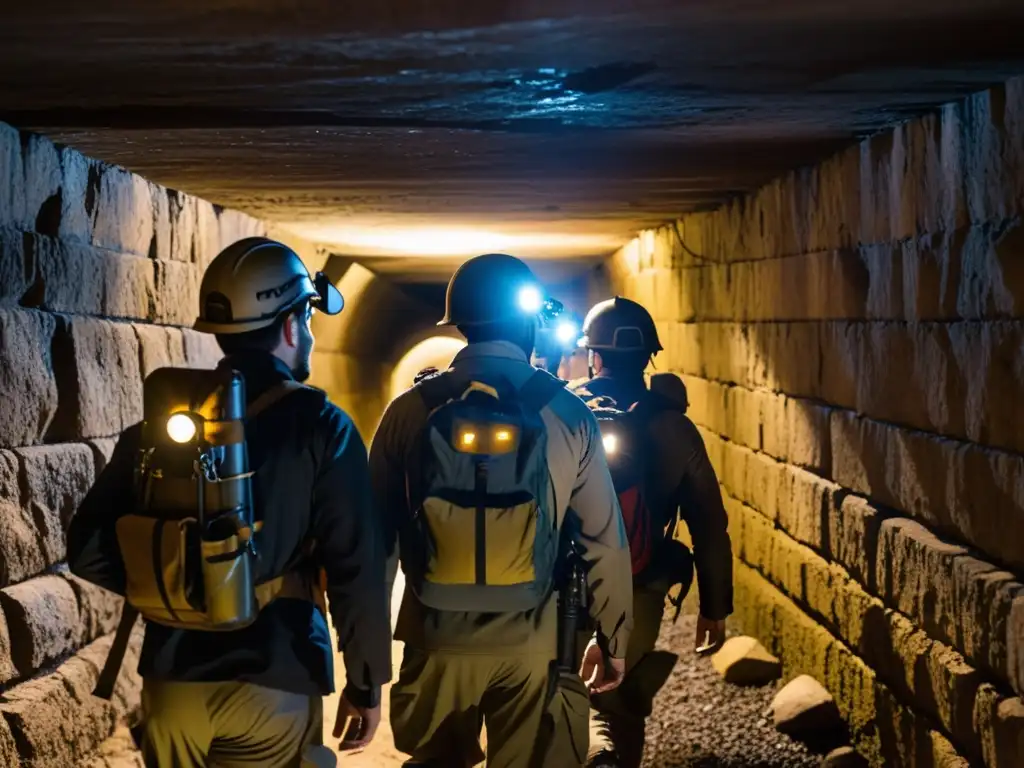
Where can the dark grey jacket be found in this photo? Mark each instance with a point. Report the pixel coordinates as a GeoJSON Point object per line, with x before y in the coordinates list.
{"type": "Point", "coordinates": [687, 484]}
{"type": "Point", "coordinates": [311, 478]}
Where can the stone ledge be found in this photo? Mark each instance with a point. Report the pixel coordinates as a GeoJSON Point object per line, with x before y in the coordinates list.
{"type": "Point", "coordinates": [54, 717]}
{"type": "Point", "coordinates": [915, 667]}
{"type": "Point", "coordinates": [43, 621]}
{"type": "Point", "coordinates": [971, 493]}
{"type": "Point", "coordinates": [106, 283]}
{"type": "Point", "coordinates": [959, 599]}
{"type": "Point", "coordinates": [882, 728]}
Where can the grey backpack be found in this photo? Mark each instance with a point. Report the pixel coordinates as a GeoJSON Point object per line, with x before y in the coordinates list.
{"type": "Point", "coordinates": [483, 536]}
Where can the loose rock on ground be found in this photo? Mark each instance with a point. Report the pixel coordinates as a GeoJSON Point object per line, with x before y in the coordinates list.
{"type": "Point", "coordinates": [743, 660]}
{"type": "Point", "coordinates": [701, 721]}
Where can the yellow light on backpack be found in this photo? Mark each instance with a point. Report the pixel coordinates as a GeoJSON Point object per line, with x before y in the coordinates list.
{"type": "Point", "coordinates": [468, 438]}
{"type": "Point", "coordinates": [611, 443]}
{"type": "Point", "coordinates": [181, 428]}
{"type": "Point", "coordinates": [503, 436]}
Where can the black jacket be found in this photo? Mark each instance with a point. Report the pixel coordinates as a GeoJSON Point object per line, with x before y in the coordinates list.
{"type": "Point", "coordinates": [686, 482]}
{"type": "Point", "coordinates": [310, 477]}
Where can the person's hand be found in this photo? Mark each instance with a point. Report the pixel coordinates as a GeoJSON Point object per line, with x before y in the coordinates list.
{"type": "Point", "coordinates": [358, 724]}
{"type": "Point", "coordinates": [598, 673]}
{"type": "Point", "coordinates": [710, 635]}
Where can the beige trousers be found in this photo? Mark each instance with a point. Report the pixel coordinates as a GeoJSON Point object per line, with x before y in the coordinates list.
{"type": "Point", "coordinates": [227, 725]}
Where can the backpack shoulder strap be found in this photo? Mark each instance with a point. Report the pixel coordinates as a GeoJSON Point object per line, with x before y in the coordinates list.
{"type": "Point", "coordinates": [539, 389]}
{"type": "Point", "coordinates": [436, 389]}
{"type": "Point", "coordinates": [272, 395]}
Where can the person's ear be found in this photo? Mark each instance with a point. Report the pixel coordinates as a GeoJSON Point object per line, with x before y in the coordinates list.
{"type": "Point", "coordinates": [291, 331]}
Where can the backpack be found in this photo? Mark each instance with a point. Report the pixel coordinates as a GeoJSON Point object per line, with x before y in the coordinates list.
{"type": "Point", "coordinates": [626, 442]}
{"type": "Point", "coordinates": [189, 543]}
{"type": "Point", "coordinates": [482, 536]}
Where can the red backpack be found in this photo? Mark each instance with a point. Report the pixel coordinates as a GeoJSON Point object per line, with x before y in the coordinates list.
{"type": "Point", "coordinates": [626, 445]}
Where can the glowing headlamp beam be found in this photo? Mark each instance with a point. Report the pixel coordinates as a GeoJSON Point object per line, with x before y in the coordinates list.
{"type": "Point", "coordinates": [530, 299]}
{"type": "Point", "coordinates": [566, 331]}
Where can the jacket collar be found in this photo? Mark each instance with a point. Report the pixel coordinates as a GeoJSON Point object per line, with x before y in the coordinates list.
{"type": "Point", "coordinates": [261, 370]}
{"type": "Point", "coordinates": [504, 350]}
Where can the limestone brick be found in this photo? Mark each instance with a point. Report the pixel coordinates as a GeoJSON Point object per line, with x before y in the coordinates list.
{"type": "Point", "coordinates": [97, 366]}
{"type": "Point", "coordinates": [27, 376]}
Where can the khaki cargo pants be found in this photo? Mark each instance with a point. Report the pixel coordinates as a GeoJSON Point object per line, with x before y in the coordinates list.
{"type": "Point", "coordinates": [223, 725]}
{"type": "Point", "coordinates": [442, 699]}
{"type": "Point", "coordinates": [618, 718]}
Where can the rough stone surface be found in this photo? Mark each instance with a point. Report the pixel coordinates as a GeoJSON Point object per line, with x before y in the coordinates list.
{"type": "Point", "coordinates": [201, 350]}
{"type": "Point", "coordinates": [98, 374]}
{"type": "Point", "coordinates": [177, 296]}
{"type": "Point", "coordinates": [159, 347]}
{"type": "Point", "coordinates": [43, 621]}
{"type": "Point", "coordinates": [26, 376]}
{"type": "Point", "coordinates": [972, 493]}
{"type": "Point", "coordinates": [16, 273]}
{"type": "Point", "coordinates": [99, 610]}
{"type": "Point", "coordinates": [56, 479]}
{"type": "Point", "coordinates": [54, 717]}
{"type": "Point", "coordinates": [744, 661]}
{"type": "Point", "coordinates": [106, 283]}
{"type": "Point", "coordinates": [124, 213]}
{"type": "Point", "coordinates": [81, 177]}
{"type": "Point", "coordinates": [12, 178]}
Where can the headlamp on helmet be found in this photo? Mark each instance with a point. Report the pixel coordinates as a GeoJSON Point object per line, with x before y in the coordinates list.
{"type": "Point", "coordinates": [530, 299]}
{"type": "Point", "coordinates": [561, 327]}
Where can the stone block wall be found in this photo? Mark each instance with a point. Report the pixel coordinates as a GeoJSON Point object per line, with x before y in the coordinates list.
{"type": "Point", "coordinates": [99, 276]}
{"type": "Point", "coordinates": [851, 337]}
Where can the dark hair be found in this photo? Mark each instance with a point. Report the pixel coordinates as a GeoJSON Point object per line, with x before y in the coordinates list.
{"type": "Point", "coordinates": [262, 339]}
{"type": "Point", "coordinates": [627, 362]}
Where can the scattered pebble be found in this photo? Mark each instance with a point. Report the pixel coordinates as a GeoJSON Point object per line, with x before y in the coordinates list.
{"type": "Point", "coordinates": [687, 731]}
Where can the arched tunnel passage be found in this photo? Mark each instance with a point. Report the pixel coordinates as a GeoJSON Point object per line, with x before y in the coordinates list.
{"type": "Point", "coordinates": [820, 206]}
{"type": "Point", "coordinates": [433, 352]}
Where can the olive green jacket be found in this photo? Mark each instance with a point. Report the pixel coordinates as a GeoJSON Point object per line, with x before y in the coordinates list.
{"type": "Point", "coordinates": [581, 487]}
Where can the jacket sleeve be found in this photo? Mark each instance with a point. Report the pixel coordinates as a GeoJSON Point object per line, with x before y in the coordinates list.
{"type": "Point", "coordinates": [352, 555]}
{"type": "Point", "coordinates": [92, 550]}
{"type": "Point", "coordinates": [602, 538]}
{"type": "Point", "coordinates": [700, 501]}
{"type": "Point", "coordinates": [387, 474]}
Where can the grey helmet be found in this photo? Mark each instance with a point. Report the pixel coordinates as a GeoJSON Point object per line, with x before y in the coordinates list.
{"type": "Point", "coordinates": [622, 325]}
{"type": "Point", "coordinates": [252, 281]}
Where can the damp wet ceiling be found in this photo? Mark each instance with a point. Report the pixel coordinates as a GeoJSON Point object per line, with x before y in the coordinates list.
{"type": "Point", "coordinates": [409, 133]}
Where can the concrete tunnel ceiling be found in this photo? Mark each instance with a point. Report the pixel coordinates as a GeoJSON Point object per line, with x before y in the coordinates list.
{"type": "Point", "coordinates": [549, 128]}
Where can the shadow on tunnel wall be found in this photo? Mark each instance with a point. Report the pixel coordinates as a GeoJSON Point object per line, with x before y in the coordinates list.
{"type": "Point", "coordinates": [851, 337]}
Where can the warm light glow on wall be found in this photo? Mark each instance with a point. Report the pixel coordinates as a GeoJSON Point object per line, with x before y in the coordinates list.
{"type": "Point", "coordinates": [450, 241]}
{"type": "Point", "coordinates": [437, 351]}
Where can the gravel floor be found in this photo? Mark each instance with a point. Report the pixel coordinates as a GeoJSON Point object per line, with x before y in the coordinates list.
{"type": "Point", "coordinates": [699, 720]}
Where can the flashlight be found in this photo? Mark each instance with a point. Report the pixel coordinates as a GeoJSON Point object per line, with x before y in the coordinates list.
{"type": "Point", "coordinates": [181, 428]}
{"type": "Point", "coordinates": [530, 300]}
{"type": "Point", "coordinates": [611, 443]}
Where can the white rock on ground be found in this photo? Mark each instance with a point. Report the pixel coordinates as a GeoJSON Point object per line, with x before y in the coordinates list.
{"type": "Point", "coordinates": [743, 660]}
{"type": "Point", "coordinates": [805, 707]}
